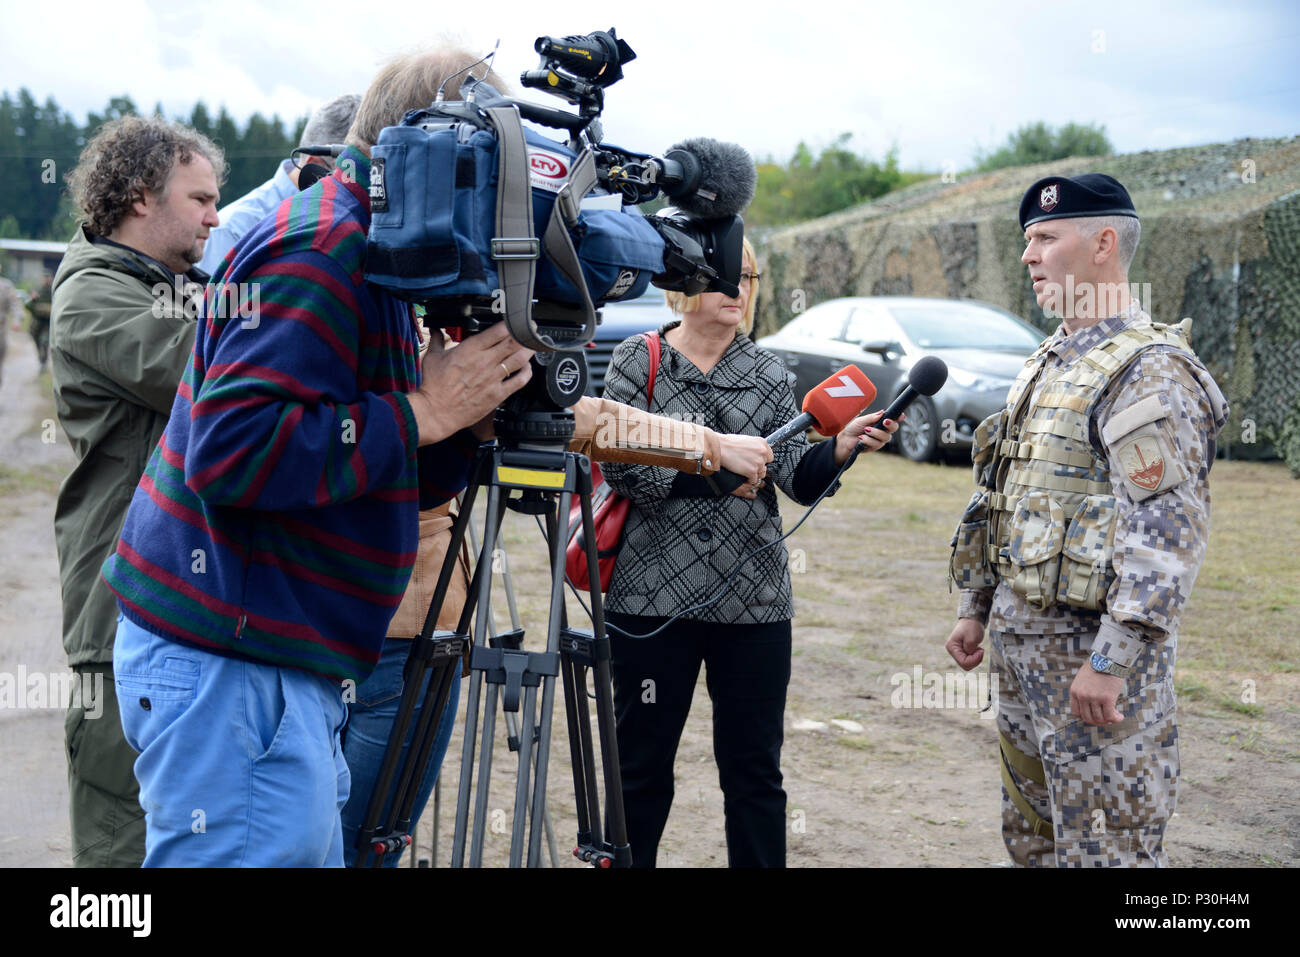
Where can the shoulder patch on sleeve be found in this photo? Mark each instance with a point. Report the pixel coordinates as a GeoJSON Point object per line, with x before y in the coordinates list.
{"type": "Point", "coordinates": [1146, 464]}
{"type": "Point", "coordinates": [1150, 409]}
{"type": "Point", "coordinates": [1143, 448]}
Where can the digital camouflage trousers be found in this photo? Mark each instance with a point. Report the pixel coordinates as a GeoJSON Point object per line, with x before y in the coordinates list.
{"type": "Point", "coordinates": [1087, 796]}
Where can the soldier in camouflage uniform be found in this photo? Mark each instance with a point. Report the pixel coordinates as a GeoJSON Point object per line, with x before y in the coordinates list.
{"type": "Point", "coordinates": [39, 307]}
{"type": "Point", "coordinates": [1081, 545]}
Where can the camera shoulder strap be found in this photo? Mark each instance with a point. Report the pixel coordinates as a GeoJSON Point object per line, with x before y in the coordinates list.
{"type": "Point", "coordinates": [558, 244]}
{"type": "Point", "coordinates": [515, 247]}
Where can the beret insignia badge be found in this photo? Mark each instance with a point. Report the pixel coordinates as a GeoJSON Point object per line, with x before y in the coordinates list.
{"type": "Point", "coordinates": [1049, 197]}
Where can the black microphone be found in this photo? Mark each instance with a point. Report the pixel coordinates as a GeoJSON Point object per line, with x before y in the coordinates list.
{"type": "Point", "coordinates": [925, 378]}
{"type": "Point", "coordinates": [327, 149]}
{"type": "Point", "coordinates": [707, 178]}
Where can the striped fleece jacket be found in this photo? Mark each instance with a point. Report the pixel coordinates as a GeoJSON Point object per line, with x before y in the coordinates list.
{"type": "Point", "coordinates": [277, 518]}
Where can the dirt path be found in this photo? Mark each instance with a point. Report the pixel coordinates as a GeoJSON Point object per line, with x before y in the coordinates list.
{"type": "Point", "coordinates": [34, 793]}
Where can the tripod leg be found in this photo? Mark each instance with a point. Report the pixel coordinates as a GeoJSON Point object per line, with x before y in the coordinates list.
{"type": "Point", "coordinates": [550, 837]}
{"type": "Point", "coordinates": [559, 528]}
{"type": "Point", "coordinates": [437, 822]}
{"type": "Point", "coordinates": [436, 699]}
{"type": "Point", "coordinates": [526, 740]}
{"type": "Point", "coordinates": [616, 820]}
{"type": "Point", "coordinates": [574, 708]}
{"type": "Point", "coordinates": [480, 589]}
{"type": "Point", "coordinates": [586, 759]}
{"type": "Point", "coordinates": [484, 776]}
{"type": "Point", "coordinates": [414, 676]}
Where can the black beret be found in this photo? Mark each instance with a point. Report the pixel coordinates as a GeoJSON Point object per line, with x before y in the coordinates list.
{"type": "Point", "coordinates": [1064, 197]}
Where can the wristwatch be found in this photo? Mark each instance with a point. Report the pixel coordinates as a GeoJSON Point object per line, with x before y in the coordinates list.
{"type": "Point", "coordinates": [1104, 666]}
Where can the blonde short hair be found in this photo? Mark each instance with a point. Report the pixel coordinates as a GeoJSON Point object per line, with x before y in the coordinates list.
{"type": "Point", "coordinates": [409, 82]}
{"type": "Point", "coordinates": [680, 303]}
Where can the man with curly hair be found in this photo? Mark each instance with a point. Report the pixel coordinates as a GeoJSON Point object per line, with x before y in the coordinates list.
{"type": "Point", "coordinates": [122, 331]}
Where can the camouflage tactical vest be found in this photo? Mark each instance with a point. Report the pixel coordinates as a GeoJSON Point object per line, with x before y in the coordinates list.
{"type": "Point", "coordinates": [1044, 515]}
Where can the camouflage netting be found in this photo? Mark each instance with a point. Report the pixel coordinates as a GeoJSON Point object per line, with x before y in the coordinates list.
{"type": "Point", "coordinates": [1220, 243]}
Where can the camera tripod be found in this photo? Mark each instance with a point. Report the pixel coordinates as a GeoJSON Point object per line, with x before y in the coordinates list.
{"type": "Point", "coordinates": [532, 462]}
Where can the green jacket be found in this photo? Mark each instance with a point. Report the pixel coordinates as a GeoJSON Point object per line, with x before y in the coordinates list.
{"type": "Point", "coordinates": [118, 351]}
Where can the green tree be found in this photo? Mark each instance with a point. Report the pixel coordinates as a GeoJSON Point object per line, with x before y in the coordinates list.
{"type": "Point", "coordinates": [1040, 143]}
{"type": "Point", "coordinates": [41, 143]}
{"type": "Point", "coordinates": [261, 148]}
{"type": "Point", "coordinates": [811, 185]}
{"type": "Point", "coordinates": [201, 120]}
{"type": "Point", "coordinates": [118, 107]}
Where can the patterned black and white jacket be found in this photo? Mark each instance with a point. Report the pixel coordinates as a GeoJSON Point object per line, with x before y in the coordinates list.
{"type": "Point", "coordinates": [681, 540]}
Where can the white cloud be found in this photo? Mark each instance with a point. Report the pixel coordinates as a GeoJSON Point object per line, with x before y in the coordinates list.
{"type": "Point", "coordinates": [939, 79]}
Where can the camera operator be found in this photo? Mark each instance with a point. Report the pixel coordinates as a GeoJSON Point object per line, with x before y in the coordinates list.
{"type": "Point", "coordinates": [274, 530]}
{"type": "Point", "coordinates": [600, 429]}
{"type": "Point", "coordinates": [662, 442]}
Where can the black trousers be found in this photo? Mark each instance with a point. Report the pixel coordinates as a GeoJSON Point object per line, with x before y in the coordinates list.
{"type": "Point", "coordinates": [747, 673]}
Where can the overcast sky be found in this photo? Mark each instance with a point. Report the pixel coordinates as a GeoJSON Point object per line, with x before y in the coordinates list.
{"type": "Point", "coordinates": [941, 79]}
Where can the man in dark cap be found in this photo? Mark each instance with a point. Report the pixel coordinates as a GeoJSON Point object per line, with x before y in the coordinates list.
{"type": "Point", "coordinates": [1081, 544]}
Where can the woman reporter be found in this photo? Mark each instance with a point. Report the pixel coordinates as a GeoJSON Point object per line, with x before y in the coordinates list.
{"type": "Point", "coordinates": [680, 543]}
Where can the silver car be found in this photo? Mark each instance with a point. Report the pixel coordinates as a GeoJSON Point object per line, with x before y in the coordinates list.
{"type": "Point", "coordinates": [984, 347]}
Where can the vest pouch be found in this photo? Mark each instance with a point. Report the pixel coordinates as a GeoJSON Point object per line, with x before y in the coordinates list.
{"type": "Point", "coordinates": [969, 566]}
{"type": "Point", "coordinates": [1086, 572]}
{"type": "Point", "coordinates": [1037, 535]}
{"type": "Point", "coordinates": [984, 442]}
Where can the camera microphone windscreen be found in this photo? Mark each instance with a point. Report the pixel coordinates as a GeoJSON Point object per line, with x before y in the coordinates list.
{"type": "Point", "coordinates": [928, 375]}
{"type": "Point", "coordinates": [726, 183]}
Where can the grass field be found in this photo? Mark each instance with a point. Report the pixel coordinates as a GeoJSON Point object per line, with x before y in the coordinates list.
{"type": "Point", "coordinates": [869, 570]}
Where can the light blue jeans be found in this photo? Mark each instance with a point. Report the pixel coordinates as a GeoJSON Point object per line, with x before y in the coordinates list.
{"type": "Point", "coordinates": [369, 723]}
{"type": "Point", "coordinates": [240, 763]}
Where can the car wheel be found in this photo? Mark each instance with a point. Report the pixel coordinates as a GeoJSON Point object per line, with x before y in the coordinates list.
{"type": "Point", "coordinates": [917, 437]}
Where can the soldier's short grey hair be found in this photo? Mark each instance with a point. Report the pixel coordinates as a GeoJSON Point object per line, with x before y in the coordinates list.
{"type": "Point", "coordinates": [1128, 230]}
{"type": "Point", "coordinates": [331, 122]}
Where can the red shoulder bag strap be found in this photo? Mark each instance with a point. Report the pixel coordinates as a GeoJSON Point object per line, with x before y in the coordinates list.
{"type": "Point", "coordinates": [652, 342]}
